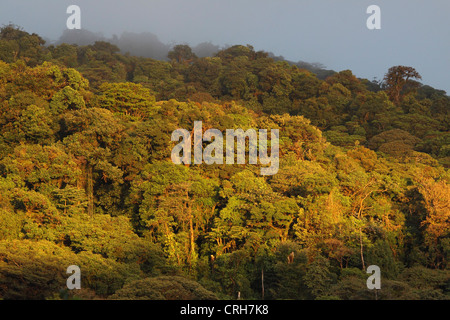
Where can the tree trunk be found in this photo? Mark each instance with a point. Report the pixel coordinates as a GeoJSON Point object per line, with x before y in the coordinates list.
{"type": "Point", "coordinates": [361, 249]}
{"type": "Point", "coordinates": [90, 189]}
{"type": "Point", "coordinates": [191, 230]}
{"type": "Point", "coordinates": [191, 234]}
{"type": "Point", "coordinates": [262, 283]}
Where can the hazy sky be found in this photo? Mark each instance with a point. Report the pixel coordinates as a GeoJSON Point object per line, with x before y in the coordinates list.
{"type": "Point", "coordinates": [413, 32]}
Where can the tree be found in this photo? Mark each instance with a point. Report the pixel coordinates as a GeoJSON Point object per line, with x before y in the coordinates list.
{"type": "Point", "coordinates": [182, 53]}
{"type": "Point", "coordinates": [436, 195]}
{"type": "Point", "coordinates": [33, 125]}
{"type": "Point", "coordinates": [398, 81]}
{"type": "Point", "coordinates": [394, 142]}
{"type": "Point", "coordinates": [318, 277]}
{"type": "Point", "coordinates": [127, 98]}
{"type": "Point", "coordinates": [206, 49]}
{"type": "Point", "coordinates": [66, 99]}
{"type": "Point", "coordinates": [253, 213]}
{"type": "Point", "coordinates": [37, 270]}
{"type": "Point", "coordinates": [91, 134]}
{"type": "Point", "coordinates": [18, 44]}
{"type": "Point", "coordinates": [176, 206]}
{"type": "Point", "coordinates": [348, 80]}
{"type": "Point", "coordinates": [164, 288]}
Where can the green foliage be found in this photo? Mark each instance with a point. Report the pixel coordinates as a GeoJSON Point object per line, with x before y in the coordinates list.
{"type": "Point", "coordinates": [36, 270]}
{"type": "Point", "coordinates": [318, 277]}
{"type": "Point", "coordinates": [182, 54]}
{"type": "Point", "coordinates": [127, 98]}
{"type": "Point", "coordinates": [66, 99]}
{"type": "Point", "coordinates": [163, 288]}
{"type": "Point", "coordinates": [17, 44]}
{"type": "Point", "coordinates": [86, 178]}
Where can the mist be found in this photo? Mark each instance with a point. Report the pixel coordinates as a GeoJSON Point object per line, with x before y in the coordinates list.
{"type": "Point", "coordinates": [333, 33]}
{"type": "Point", "coordinates": [144, 44]}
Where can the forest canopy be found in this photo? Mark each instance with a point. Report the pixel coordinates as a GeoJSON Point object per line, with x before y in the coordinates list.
{"type": "Point", "coordinates": [86, 177]}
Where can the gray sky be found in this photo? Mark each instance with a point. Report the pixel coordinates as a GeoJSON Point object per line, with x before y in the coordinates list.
{"type": "Point", "coordinates": [415, 33]}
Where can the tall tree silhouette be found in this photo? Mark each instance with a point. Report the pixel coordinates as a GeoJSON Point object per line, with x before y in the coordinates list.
{"type": "Point", "coordinates": [398, 79]}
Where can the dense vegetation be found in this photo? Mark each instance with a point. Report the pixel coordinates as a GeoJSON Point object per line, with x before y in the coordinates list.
{"type": "Point", "coordinates": [86, 178]}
